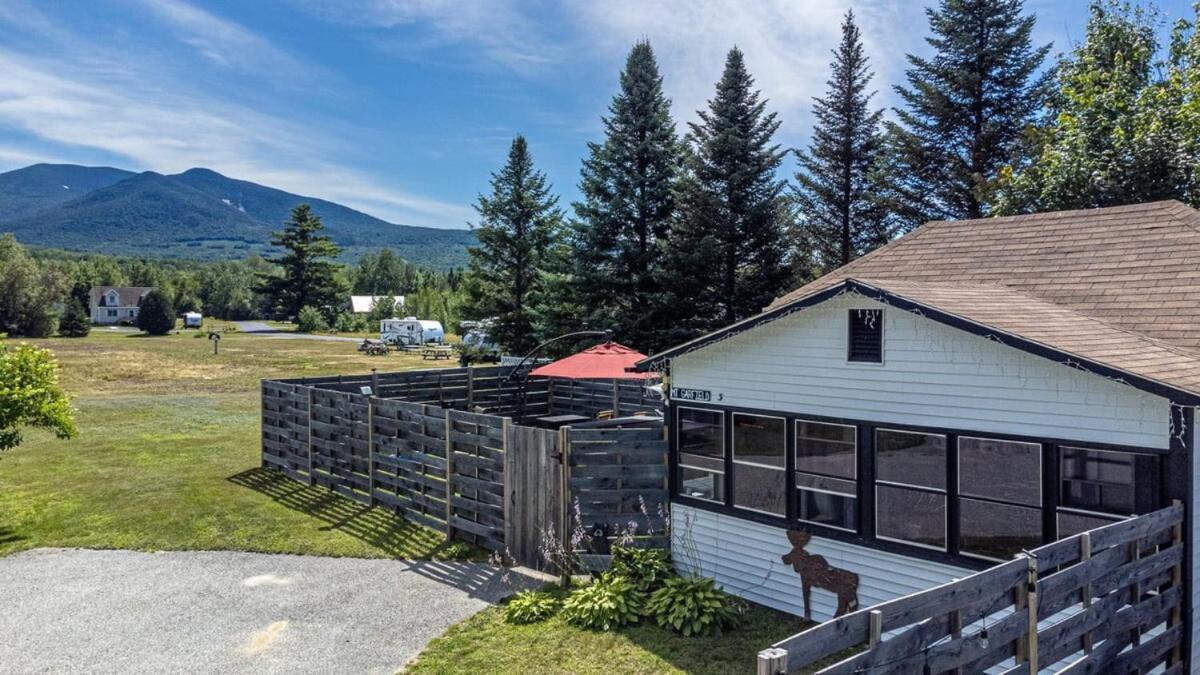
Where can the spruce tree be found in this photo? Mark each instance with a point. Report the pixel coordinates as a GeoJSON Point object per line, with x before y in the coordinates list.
{"type": "Point", "coordinates": [965, 109]}
{"type": "Point", "coordinates": [309, 276]}
{"type": "Point", "coordinates": [627, 206]}
{"type": "Point", "coordinates": [840, 215]}
{"type": "Point", "coordinates": [506, 274]}
{"type": "Point", "coordinates": [74, 321]}
{"type": "Point", "coordinates": [725, 257]}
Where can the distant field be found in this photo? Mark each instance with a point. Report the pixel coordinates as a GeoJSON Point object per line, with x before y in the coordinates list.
{"type": "Point", "coordinates": [168, 453]}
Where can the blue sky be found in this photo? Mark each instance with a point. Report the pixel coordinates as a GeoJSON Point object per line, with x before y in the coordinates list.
{"type": "Point", "coordinates": [402, 108]}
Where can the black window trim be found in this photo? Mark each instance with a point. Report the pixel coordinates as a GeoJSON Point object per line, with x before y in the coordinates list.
{"type": "Point", "coordinates": [850, 336]}
{"type": "Point", "coordinates": [865, 470]}
{"type": "Point", "coordinates": [796, 421]}
{"type": "Point", "coordinates": [733, 460]}
{"type": "Point", "coordinates": [674, 453]}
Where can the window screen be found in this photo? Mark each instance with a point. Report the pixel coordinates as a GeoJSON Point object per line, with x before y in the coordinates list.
{"type": "Point", "coordinates": [701, 460]}
{"type": "Point", "coordinates": [1100, 486]}
{"type": "Point", "coordinates": [866, 336]}
{"type": "Point", "coordinates": [910, 488]}
{"type": "Point", "coordinates": [826, 468]}
{"type": "Point", "coordinates": [759, 461]}
{"type": "Point", "coordinates": [1000, 496]}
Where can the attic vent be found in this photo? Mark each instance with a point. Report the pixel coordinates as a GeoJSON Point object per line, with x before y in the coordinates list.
{"type": "Point", "coordinates": [866, 336]}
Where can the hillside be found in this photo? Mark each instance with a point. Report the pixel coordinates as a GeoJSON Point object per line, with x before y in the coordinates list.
{"type": "Point", "coordinates": [197, 214]}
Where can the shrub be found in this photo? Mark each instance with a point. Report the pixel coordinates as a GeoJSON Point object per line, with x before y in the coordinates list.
{"type": "Point", "coordinates": [693, 606]}
{"type": "Point", "coordinates": [74, 321]}
{"type": "Point", "coordinates": [456, 551]}
{"type": "Point", "coordinates": [530, 607]}
{"type": "Point", "coordinates": [156, 315]}
{"type": "Point", "coordinates": [350, 323]}
{"type": "Point", "coordinates": [646, 568]}
{"type": "Point", "coordinates": [310, 320]}
{"type": "Point", "coordinates": [609, 602]}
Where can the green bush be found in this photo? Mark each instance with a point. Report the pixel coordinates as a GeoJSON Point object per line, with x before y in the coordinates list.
{"type": "Point", "coordinates": [350, 323]}
{"type": "Point", "coordinates": [693, 606]}
{"type": "Point", "coordinates": [456, 551]}
{"type": "Point", "coordinates": [310, 320]}
{"type": "Point", "coordinates": [156, 315]}
{"type": "Point", "coordinates": [646, 568]}
{"type": "Point", "coordinates": [530, 607]}
{"type": "Point", "coordinates": [609, 602]}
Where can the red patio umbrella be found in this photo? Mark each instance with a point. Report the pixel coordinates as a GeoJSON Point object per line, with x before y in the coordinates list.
{"type": "Point", "coordinates": [606, 361]}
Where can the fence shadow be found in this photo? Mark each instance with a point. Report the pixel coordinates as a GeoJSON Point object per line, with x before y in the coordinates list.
{"type": "Point", "coordinates": [8, 536]}
{"type": "Point", "coordinates": [386, 531]}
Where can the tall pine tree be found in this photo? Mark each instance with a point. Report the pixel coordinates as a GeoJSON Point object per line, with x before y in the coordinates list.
{"type": "Point", "coordinates": [309, 276]}
{"type": "Point", "coordinates": [840, 214]}
{"type": "Point", "coordinates": [965, 109]}
{"type": "Point", "coordinates": [627, 206]}
{"type": "Point", "coordinates": [506, 275]}
{"type": "Point", "coordinates": [725, 258]}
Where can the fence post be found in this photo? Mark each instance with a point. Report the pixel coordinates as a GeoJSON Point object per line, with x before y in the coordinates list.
{"type": "Point", "coordinates": [371, 443]}
{"type": "Point", "coordinates": [310, 421]}
{"type": "Point", "coordinates": [550, 396]}
{"type": "Point", "coordinates": [1176, 616]}
{"type": "Point", "coordinates": [1085, 554]}
{"type": "Point", "coordinates": [616, 398]}
{"type": "Point", "coordinates": [449, 474]}
{"type": "Point", "coordinates": [471, 388]}
{"type": "Point", "coordinates": [875, 627]}
{"type": "Point", "coordinates": [1031, 601]}
{"type": "Point", "coordinates": [564, 453]}
{"type": "Point", "coordinates": [374, 382]}
{"type": "Point", "coordinates": [772, 661]}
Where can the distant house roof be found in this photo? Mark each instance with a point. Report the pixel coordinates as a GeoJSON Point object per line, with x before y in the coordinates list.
{"type": "Point", "coordinates": [127, 296]}
{"type": "Point", "coordinates": [1113, 290]}
{"type": "Point", "coordinates": [361, 304]}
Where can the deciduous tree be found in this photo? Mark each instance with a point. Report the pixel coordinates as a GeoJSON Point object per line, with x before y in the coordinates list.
{"type": "Point", "coordinates": [156, 315]}
{"type": "Point", "coordinates": [30, 395]}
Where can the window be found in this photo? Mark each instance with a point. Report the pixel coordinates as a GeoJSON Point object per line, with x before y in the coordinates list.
{"type": "Point", "coordinates": [1098, 487]}
{"type": "Point", "coordinates": [1000, 497]}
{"type": "Point", "coordinates": [112, 312]}
{"type": "Point", "coordinates": [910, 487]}
{"type": "Point", "coordinates": [826, 471]}
{"type": "Point", "coordinates": [759, 463]}
{"type": "Point", "coordinates": [865, 343]}
{"type": "Point", "coordinates": [701, 470]}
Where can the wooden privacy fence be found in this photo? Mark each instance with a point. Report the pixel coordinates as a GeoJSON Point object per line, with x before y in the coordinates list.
{"type": "Point", "coordinates": [1108, 600]}
{"type": "Point", "coordinates": [474, 476]}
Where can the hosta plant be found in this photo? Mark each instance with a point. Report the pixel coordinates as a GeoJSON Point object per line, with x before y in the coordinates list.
{"type": "Point", "coordinates": [530, 607]}
{"type": "Point", "coordinates": [609, 602]}
{"type": "Point", "coordinates": [693, 606]}
{"type": "Point", "coordinates": [646, 568]}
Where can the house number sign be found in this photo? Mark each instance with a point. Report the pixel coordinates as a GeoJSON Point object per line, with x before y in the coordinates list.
{"type": "Point", "coordinates": [682, 394]}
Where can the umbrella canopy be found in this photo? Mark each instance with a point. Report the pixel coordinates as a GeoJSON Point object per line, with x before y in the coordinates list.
{"type": "Point", "coordinates": [602, 362]}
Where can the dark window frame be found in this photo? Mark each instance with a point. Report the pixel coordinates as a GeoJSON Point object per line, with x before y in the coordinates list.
{"type": "Point", "coordinates": [794, 494]}
{"type": "Point", "coordinates": [947, 533]}
{"type": "Point", "coordinates": [1037, 505]}
{"type": "Point", "coordinates": [866, 480]}
{"type": "Point", "coordinates": [731, 497]}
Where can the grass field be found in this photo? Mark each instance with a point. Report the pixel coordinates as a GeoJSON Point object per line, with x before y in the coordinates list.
{"type": "Point", "coordinates": [168, 452]}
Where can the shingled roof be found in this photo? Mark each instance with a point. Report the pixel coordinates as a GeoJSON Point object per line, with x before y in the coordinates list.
{"type": "Point", "coordinates": [1113, 290]}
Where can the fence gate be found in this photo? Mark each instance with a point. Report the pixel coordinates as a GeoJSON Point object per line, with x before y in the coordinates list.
{"type": "Point", "coordinates": [533, 492]}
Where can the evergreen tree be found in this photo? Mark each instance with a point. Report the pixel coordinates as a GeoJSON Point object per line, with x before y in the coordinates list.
{"type": "Point", "coordinates": [725, 257]}
{"type": "Point", "coordinates": [156, 315]}
{"type": "Point", "coordinates": [839, 212]}
{"type": "Point", "coordinates": [309, 277]}
{"type": "Point", "coordinates": [628, 203]}
{"type": "Point", "coordinates": [74, 321]}
{"type": "Point", "coordinates": [517, 225]}
{"type": "Point", "coordinates": [965, 109]}
{"type": "Point", "coordinates": [1125, 128]}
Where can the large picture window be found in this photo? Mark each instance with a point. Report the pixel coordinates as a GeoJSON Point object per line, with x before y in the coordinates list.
{"type": "Point", "coordinates": [1000, 496]}
{"type": "Point", "coordinates": [1098, 487]}
{"type": "Point", "coordinates": [759, 463]}
{"type": "Point", "coordinates": [910, 487]}
{"type": "Point", "coordinates": [826, 473]}
{"type": "Point", "coordinates": [701, 462]}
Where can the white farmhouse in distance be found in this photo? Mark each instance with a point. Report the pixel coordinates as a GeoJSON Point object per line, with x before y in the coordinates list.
{"type": "Point", "coordinates": [362, 304]}
{"type": "Point", "coordinates": [109, 305]}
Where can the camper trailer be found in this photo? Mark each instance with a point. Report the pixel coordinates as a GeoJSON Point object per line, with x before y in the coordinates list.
{"type": "Point", "coordinates": [193, 319]}
{"type": "Point", "coordinates": [410, 331]}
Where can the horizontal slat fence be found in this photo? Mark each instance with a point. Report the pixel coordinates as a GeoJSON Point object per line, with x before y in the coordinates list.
{"type": "Point", "coordinates": [475, 476]}
{"type": "Point", "coordinates": [1108, 600]}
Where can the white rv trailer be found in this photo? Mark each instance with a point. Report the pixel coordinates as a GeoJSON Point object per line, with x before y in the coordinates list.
{"type": "Point", "coordinates": [410, 331]}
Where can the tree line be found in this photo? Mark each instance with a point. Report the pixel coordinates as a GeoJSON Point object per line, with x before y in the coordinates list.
{"type": "Point", "coordinates": [678, 234]}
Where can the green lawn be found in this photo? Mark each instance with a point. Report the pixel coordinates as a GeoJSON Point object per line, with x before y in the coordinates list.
{"type": "Point", "coordinates": [485, 643]}
{"type": "Point", "coordinates": [168, 454]}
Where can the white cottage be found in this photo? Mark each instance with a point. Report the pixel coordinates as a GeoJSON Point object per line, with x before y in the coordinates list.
{"type": "Point", "coordinates": [116, 304]}
{"type": "Point", "coordinates": [970, 390]}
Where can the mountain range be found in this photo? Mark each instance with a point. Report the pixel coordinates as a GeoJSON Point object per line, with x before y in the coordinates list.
{"type": "Point", "coordinates": [197, 214]}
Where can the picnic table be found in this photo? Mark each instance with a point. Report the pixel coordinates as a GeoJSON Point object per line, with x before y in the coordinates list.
{"type": "Point", "coordinates": [436, 352]}
{"type": "Point", "coordinates": [373, 347]}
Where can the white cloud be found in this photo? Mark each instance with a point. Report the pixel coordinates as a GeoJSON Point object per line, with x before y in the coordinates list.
{"type": "Point", "coordinates": [78, 97]}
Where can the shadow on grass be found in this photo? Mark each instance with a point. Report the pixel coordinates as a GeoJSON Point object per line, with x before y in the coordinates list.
{"type": "Point", "coordinates": [385, 530]}
{"type": "Point", "coordinates": [7, 536]}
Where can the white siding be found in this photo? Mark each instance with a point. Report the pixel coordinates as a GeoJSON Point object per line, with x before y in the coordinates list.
{"type": "Point", "coordinates": [932, 375]}
{"type": "Point", "coordinates": [745, 558]}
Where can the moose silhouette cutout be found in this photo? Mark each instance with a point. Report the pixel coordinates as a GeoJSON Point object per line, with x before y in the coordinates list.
{"type": "Point", "coordinates": [814, 570]}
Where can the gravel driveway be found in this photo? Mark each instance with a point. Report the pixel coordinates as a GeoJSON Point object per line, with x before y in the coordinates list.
{"type": "Point", "coordinates": [70, 610]}
{"type": "Point", "coordinates": [265, 330]}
